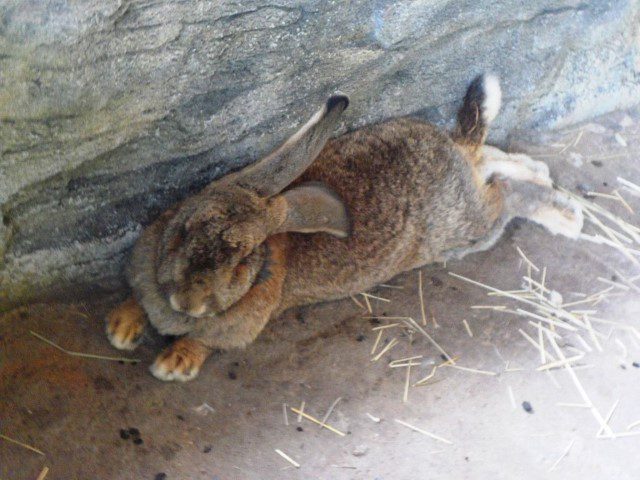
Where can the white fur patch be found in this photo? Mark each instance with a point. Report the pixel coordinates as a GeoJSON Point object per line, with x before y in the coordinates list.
{"type": "Point", "coordinates": [174, 303]}
{"type": "Point", "coordinates": [159, 371]}
{"type": "Point", "coordinates": [516, 166]}
{"type": "Point", "coordinates": [567, 222]}
{"type": "Point", "coordinates": [121, 344]}
{"type": "Point", "coordinates": [492, 97]}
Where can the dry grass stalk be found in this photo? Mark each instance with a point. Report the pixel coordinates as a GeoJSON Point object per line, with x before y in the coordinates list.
{"type": "Point", "coordinates": [388, 347]}
{"type": "Point", "coordinates": [472, 370]}
{"type": "Point", "coordinates": [421, 295]}
{"type": "Point", "coordinates": [373, 419]}
{"type": "Point", "coordinates": [405, 396]}
{"type": "Point", "coordinates": [424, 432]}
{"type": "Point", "coordinates": [287, 458]}
{"type": "Point", "coordinates": [559, 363]}
{"type": "Point", "coordinates": [384, 327]}
{"type": "Point", "coordinates": [527, 261]}
{"type": "Point", "coordinates": [594, 411]}
{"type": "Point", "coordinates": [43, 473]}
{"type": "Point", "coordinates": [564, 454]}
{"type": "Point", "coordinates": [23, 445]}
{"type": "Point", "coordinates": [83, 355]}
{"type": "Point", "coordinates": [573, 405]}
{"type": "Point", "coordinates": [630, 186]}
{"type": "Point", "coordinates": [468, 328]}
{"type": "Point", "coordinates": [368, 295]}
{"type": "Point", "coordinates": [284, 414]}
{"type": "Point", "coordinates": [355, 300]}
{"type": "Point", "coordinates": [375, 344]}
{"type": "Point", "coordinates": [607, 419]}
{"type": "Point", "coordinates": [413, 324]}
{"type": "Point", "coordinates": [301, 412]}
{"type": "Point", "coordinates": [329, 411]}
{"type": "Point", "coordinates": [316, 421]}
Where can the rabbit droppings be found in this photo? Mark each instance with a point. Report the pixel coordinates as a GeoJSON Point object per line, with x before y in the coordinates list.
{"type": "Point", "coordinates": [321, 219]}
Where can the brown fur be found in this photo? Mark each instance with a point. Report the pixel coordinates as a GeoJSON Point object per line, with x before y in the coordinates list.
{"type": "Point", "coordinates": [217, 266]}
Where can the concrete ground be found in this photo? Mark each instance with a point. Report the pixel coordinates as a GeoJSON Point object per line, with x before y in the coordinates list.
{"type": "Point", "coordinates": [228, 423]}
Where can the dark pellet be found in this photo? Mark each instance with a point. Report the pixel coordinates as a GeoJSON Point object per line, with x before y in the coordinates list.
{"type": "Point", "coordinates": [160, 476]}
{"type": "Point", "coordinates": [300, 429]}
{"type": "Point", "coordinates": [180, 417]}
{"type": "Point", "coordinates": [636, 364]}
{"type": "Point", "coordinates": [360, 338]}
{"type": "Point", "coordinates": [124, 434]}
{"type": "Point", "coordinates": [527, 407]}
{"type": "Point", "coordinates": [134, 432]}
{"type": "Point", "coordinates": [232, 375]}
{"type": "Point", "coordinates": [137, 441]}
{"type": "Point", "coordinates": [207, 449]}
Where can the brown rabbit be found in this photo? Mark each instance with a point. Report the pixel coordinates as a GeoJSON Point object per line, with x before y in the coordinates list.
{"type": "Point", "coordinates": [318, 220]}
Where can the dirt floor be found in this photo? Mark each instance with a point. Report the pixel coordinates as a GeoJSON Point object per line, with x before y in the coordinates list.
{"type": "Point", "coordinates": [510, 423]}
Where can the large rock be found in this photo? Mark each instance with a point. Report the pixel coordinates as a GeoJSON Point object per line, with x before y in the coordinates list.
{"type": "Point", "coordinates": [111, 110]}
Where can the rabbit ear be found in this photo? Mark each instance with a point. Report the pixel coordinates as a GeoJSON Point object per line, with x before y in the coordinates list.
{"type": "Point", "coordinates": [313, 207]}
{"type": "Point", "coordinates": [276, 171]}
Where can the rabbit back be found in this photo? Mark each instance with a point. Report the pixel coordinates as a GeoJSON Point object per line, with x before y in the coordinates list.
{"type": "Point", "coordinates": [412, 194]}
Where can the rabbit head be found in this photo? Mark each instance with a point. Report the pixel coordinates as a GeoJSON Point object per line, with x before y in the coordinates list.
{"type": "Point", "coordinates": [213, 250]}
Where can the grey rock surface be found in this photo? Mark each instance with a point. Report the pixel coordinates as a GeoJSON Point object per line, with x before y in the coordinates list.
{"type": "Point", "coordinates": [112, 110]}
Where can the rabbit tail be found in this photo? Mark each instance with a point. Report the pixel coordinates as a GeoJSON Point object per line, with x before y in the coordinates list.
{"type": "Point", "coordinates": [481, 105]}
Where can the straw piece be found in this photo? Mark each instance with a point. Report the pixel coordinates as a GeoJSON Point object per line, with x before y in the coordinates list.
{"type": "Point", "coordinates": [594, 411]}
{"type": "Point", "coordinates": [300, 412]}
{"type": "Point", "coordinates": [384, 327]}
{"type": "Point", "coordinates": [412, 323]}
{"type": "Point", "coordinates": [368, 295]}
{"type": "Point", "coordinates": [633, 425]}
{"type": "Point", "coordinates": [83, 355]}
{"type": "Point", "coordinates": [422, 312]}
{"type": "Point", "coordinates": [284, 414]}
{"type": "Point", "coordinates": [388, 347]}
{"type": "Point", "coordinates": [559, 363]}
{"type": "Point", "coordinates": [43, 473]}
{"type": "Point", "coordinates": [287, 458]}
{"type": "Point", "coordinates": [564, 454]}
{"type": "Point", "coordinates": [424, 432]}
{"type": "Point", "coordinates": [374, 419]}
{"type": "Point", "coordinates": [375, 344]}
{"type": "Point", "coordinates": [468, 328]}
{"type": "Point", "coordinates": [472, 370]}
{"type": "Point", "coordinates": [316, 421]}
{"type": "Point", "coordinates": [366, 300]}
{"type": "Point", "coordinates": [524, 257]}
{"type": "Point", "coordinates": [608, 417]}
{"type": "Point", "coordinates": [355, 300]}
{"type": "Point", "coordinates": [23, 445]}
{"type": "Point", "coordinates": [405, 396]}
{"type": "Point", "coordinates": [326, 415]}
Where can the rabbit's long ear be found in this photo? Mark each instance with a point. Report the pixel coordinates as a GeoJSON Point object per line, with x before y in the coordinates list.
{"type": "Point", "coordinates": [273, 173]}
{"type": "Point", "coordinates": [313, 207]}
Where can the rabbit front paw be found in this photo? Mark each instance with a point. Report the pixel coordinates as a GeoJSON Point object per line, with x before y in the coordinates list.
{"type": "Point", "coordinates": [181, 361]}
{"type": "Point", "coordinates": [125, 325]}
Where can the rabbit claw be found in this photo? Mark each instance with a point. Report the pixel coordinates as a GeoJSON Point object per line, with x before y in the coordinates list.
{"type": "Point", "coordinates": [181, 361]}
{"type": "Point", "coordinates": [125, 325]}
